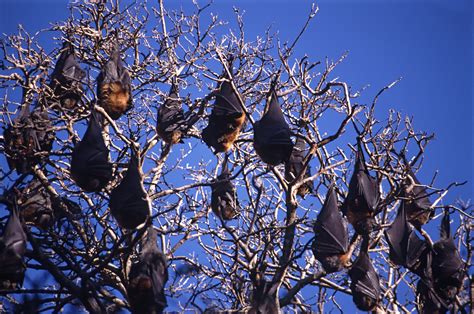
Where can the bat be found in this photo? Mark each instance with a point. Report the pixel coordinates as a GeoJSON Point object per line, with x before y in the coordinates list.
{"type": "Point", "coordinates": [226, 120]}
{"type": "Point", "coordinates": [114, 87]}
{"type": "Point", "coordinates": [295, 165]}
{"type": "Point", "coordinates": [418, 205]}
{"type": "Point", "coordinates": [36, 206]}
{"type": "Point", "coordinates": [405, 246]}
{"type": "Point", "coordinates": [148, 277]}
{"type": "Point", "coordinates": [224, 198]}
{"type": "Point", "coordinates": [171, 124]}
{"type": "Point", "coordinates": [64, 207]}
{"type": "Point", "coordinates": [28, 140]}
{"type": "Point", "coordinates": [12, 251]}
{"type": "Point", "coordinates": [271, 138]}
{"type": "Point", "coordinates": [447, 263]}
{"type": "Point", "coordinates": [365, 282]}
{"type": "Point", "coordinates": [360, 205]}
{"type": "Point", "coordinates": [90, 166]}
{"type": "Point", "coordinates": [66, 79]}
{"type": "Point", "coordinates": [129, 203]}
{"type": "Point", "coordinates": [331, 241]}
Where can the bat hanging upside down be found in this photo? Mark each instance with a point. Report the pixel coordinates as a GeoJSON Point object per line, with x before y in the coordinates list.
{"type": "Point", "coordinates": [224, 198]}
{"type": "Point", "coordinates": [295, 165]}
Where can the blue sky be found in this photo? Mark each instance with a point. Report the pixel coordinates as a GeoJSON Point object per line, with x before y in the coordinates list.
{"type": "Point", "coordinates": [428, 43]}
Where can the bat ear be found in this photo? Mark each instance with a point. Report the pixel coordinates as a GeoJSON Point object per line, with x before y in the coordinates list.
{"type": "Point", "coordinates": [445, 231]}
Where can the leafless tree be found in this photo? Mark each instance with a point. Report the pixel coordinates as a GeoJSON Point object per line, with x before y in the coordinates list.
{"type": "Point", "coordinates": [83, 259]}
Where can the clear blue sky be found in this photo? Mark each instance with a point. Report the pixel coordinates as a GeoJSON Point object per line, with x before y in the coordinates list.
{"type": "Point", "coordinates": [428, 43]}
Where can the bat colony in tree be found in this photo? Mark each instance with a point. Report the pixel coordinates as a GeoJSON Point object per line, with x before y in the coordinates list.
{"type": "Point", "coordinates": [29, 140]}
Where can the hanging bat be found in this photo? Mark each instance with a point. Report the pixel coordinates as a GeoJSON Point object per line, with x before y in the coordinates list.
{"type": "Point", "coordinates": [66, 79]}
{"type": "Point", "coordinates": [295, 165]}
{"type": "Point", "coordinates": [418, 205]}
{"type": "Point", "coordinates": [90, 166]}
{"type": "Point", "coordinates": [12, 251]}
{"type": "Point", "coordinates": [365, 282]}
{"type": "Point", "coordinates": [224, 198]}
{"type": "Point", "coordinates": [448, 266]}
{"type": "Point", "coordinates": [405, 246]}
{"type": "Point", "coordinates": [28, 140]}
{"type": "Point", "coordinates": [114, 87]}
{"type": "Point", "coordinates": [36, 206]}
{"type": "Point", "coordinates": [129, 203]}
{"type": "Point", "coordinates": [331, 241]}
{"type": "Point", "coordinates": [226, 120]}
{"type": "Point", "coordinates": [360, 205]}
{"type": "Point", "coordinates": [148, 277]}
{"type": "Point", "coordinates": [271, 138]}
{"type": "Point", "coordinates": [64, 207]}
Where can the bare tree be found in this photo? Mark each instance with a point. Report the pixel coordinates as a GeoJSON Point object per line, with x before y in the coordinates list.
{"type": "Point", "coordinates": [83, 258]}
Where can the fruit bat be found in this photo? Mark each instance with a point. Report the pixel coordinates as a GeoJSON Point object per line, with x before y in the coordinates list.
{"type": "Point", "coordinates": [405, 246]}
{"type": "Point", "coordinates": [90, 166]}
{"type": "Point", "coordinates": [224, 198]}
{"type": "Point", "coordinates": [271, 138]}
{"type": "Point", "coordinates": [129, 203]}
{"type": "Point", "coordinates": [63, 207]}
{"type": "Point", "coordinates": [28, 140]}
{"type": "Point", "coordinates": [66, 78]}
{"type": "Point", "coordinates": [36, 206]}
{"type": "Point", "coordinates": [12, 251]}
{"type": "Point", "coordinates": [114, 88]}
{"type": "Point", "coordinates": [360, 205]}
{"type": "Point", "coordinates": [418, 205]}
{"type": "Point", "coordinates": [448, 266]}
{"type": "Point", "coordinates": [226, 120]}
{"type": "Point", "coordinates": [365, 282]}
{"type": "Point", "coordinates": [294, 166]}
{"type": "Point", "coordinates": [331, 241]}
{"type": "Point", "coordinates": [148, 277]}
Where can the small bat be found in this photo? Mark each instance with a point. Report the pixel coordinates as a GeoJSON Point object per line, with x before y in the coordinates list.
{"type": "Point", "coordinates": [418, 207]}
{"type": "Point", "coordinates": [226, 120]}
{"type": "Point", "coordinates": [331, 241]}
{"type": "Point", "coordinates": [224, 198]}
{"type": "Point", "coordinates": [12, 251]}
{"type": "Point", "coordinates": [360, 205]}
{"type": "Point", "coordinates": [405, 246]}
{"type": "Point", "coordinates": [148, 277]}
{"type": "Point", "coordinates": [114, 87]}
{"type": "Point", "coordinates": [66, 79]}
{"type": "Point", "coordinates": [271, 139]}
{"type": "Point", "coordinates": [365, 282]}
{"type": "Point", "coordinates": [171, 124]}
{"type": "Point", "coordinates": [129, 203]}
{"type": "Point", "coordinates": [28, 140]}
{"type": "Point", "coordinates": [36, 206]}
{"type": "Point", "coordinates": [90, 166]}
{"type": "Point", "coordinates": [295, 165]}
{"type": "Point", "coordinates": [64, 207]}
{"type": "Point", "coordinates": [448, 266]}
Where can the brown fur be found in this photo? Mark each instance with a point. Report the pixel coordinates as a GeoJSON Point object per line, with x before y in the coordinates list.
{"type": "Point", "coordinates": [171, 138]}
{"type": "Point", "coordinates": [115, 99]}
{"type": "Point", "coordinates": [228, 139]}
{"type": "Point", "coordinates": [418, 218]}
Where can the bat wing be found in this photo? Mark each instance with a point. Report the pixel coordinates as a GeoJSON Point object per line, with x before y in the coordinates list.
{"type": "Point", "coordinates": [364, 277]}
{"type": "Point", "coordinates": [272, 142]}
{"type": "Point", "coordinates": [367, 185]}
{"type": "Point", "coordinates": [13, 239]}
{"type": "Point", "coordinates": [330, 229]}
{"type": "Point", "coordinates": [227, 102]}
{"type": "Point", "coordinates": [419, 194]}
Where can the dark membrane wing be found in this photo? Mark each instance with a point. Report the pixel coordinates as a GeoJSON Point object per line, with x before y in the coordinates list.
{"type": "Point", "coordinates": [223, 197]}
{"type": "Point", "coordinates": [226, 101]}
{"type": "Point", "coordinates": [36, 206]}
{"type": "Point", "coordinates": [90, 166]}
{"type": "Point", "coordinates": [272, 143]}
{"type": "Point", "coordinates": [365, 283]}
{"type": "Point", "coordinates": [171, 123]}
{"type": "Point", "coordinates": [367, 185]}
{"type": "Point", "coordinates": [295, 165]}
{"type": "Point", "coordinates": [129, 202]}
{"type": "Point", "coordinates": [420, 197]}
{"type": "Point", "coordinates": [418, 204]}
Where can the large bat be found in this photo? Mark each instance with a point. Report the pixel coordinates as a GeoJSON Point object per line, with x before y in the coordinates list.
{"type": "Point", "coordinates": [36, 206]}
{"type": "Point", "coordinates": [114, 87]}
{"type": "Point", "coordinates": [331, 242]}
{"type": "Point", "coordinates": [448, 266]}
{"type": "Point", "coordinates": [418, 205]}
{"type": "Point", "coordinates": [224, 198]}
{"type": "Point", "coordinates": [90, 166]}
{"type": "Point", "coordinates": [226, 120]}
{"type": "Point", "coordinates": [365, 282]}
{"type": "Point", "coordinates": [12, 251]}
{"type": "Point", "coordinates": [171, 124]}
{"type": "Point", "coordinates": [294, 166]}
{"type": "Point", "coordinates": [66, 79]}
{"type": "Point", "coordinates": [271, 139]}
{"type": "Point", "coordinates": [360, 205]}
{"type": "Point", "coordinates": [28, 140]}
{"type": "Point", "coordinates": [405, 246]}
{"type": "Point", "coordinates": [148, 277]}
{"type": "Point", "coordinates": [129, 203]}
